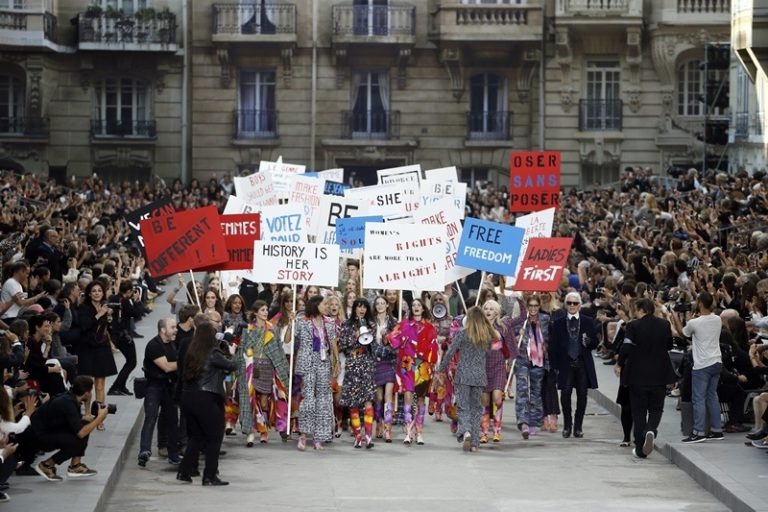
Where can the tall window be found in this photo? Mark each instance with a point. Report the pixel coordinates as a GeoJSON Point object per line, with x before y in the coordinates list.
{"type": "Point", "coordinates": [371, 17]}
{"type": "Point", "coordinates": [128, 6]}
{"type": "Point", "coordinates": [493, 2]}
{"type": "Point", "coordinates": [11, 104]}
{"type": "Point", "coordinates": [11, 4]}
{"type": "Point", "coordinates": [690, 87]}
{"type": "Point", "coordinates": [370, 104]}
{"type": "Point", "coordinates": [488, 115]}
{"type": "Point", "coordinates": [257, 116]}
{"type": "Point", "coordinates": [601, 110]}
{"type": "Point", "coordinates": [122, 108]}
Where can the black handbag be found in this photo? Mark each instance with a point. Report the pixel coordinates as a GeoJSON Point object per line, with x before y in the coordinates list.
{"type": "Point", "coordinates": [140, 387]}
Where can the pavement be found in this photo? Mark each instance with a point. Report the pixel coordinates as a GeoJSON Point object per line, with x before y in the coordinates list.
{"type": "Point", "coordinates": [734, 473]}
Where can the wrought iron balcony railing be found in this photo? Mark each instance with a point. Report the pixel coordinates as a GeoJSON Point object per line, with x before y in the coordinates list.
{"type": "Point", "coordinates": [488, 125]}
{"type": "Point", "coordinates": [600, 115]}
{"type": "Point", "coordinates": [114, 128]}
{"type": "Point", "coordinates": [370, 124]}
{"type": "Point", "coordinates": [376, 20]}
{"type": "Point", "coordinates": [35, 127]}
{"type": "Point", "coordinates": [255, 124]}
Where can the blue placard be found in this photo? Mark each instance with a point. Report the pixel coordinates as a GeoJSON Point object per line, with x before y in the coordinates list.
{"type": "Point", "coordinates": [490, 246]}
{"type": "Point", "coordinates": [335, 188]}
{"type": "Point", "coordinates": [350, 232]}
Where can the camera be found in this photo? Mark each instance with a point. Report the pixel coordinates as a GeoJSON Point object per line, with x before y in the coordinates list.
{"type": "Point", "coordinates": [111, 408]}
{"type": "Point", "coordinates": [682, 307]}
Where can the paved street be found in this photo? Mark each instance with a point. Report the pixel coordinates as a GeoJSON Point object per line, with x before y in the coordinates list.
{"type": "Point", "coordinates": [543, 474]}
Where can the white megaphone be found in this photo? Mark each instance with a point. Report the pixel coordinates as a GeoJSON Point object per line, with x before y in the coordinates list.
{"type": "Point", "coordinates": [366, 336]}
{"type": "Point", "coordinates": [464, 321]}
{"type": "Point", "coordinates": [439, 311]}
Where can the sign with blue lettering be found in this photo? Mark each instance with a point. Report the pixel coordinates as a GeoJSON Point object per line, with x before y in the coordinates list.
{"type": "Point", "coordinates": [350, 232]}
{"type": "Point", "coordinates": [490, 246]}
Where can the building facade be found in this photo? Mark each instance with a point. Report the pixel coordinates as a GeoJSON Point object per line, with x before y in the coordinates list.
{"type": "Point", "coordinates": [359, 84]}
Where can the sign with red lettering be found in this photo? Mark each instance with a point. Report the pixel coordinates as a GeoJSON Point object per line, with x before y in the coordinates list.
{"type": "Point", "coordinates": [184, 241]}
{"type": "Point", "coordinates": [240, 231]}
{"type": "Point", "coordinates": [534, 180]}
{"type": "Point", "coordinates": [296, 263]}
{"type": "Point", "coordinates": [543, 264]}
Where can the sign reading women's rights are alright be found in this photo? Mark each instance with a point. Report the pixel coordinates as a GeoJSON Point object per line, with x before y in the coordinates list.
{"type": "Point", "coordinates": [291, 263]}
{"type": "Point", "coordinates": [490, 246]}
{"type": "Point", "coordinates": [399, 257]}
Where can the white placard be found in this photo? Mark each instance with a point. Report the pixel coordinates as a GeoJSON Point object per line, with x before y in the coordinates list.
{"type": "Point", "coordinates": [399, 257]}
{"type": "Point", "coordinates": [283, 223]}
{"type": "Point", "coordinates": [256, 189]}
{"type": "Point", "coordinates": [384, 200]}
{"type": "Point", "coordinates": [433, 190]}
{"type": "Point", "coordinates": [336, 175]}
{"type": "Point", "coordinates": [409, 176]}
{"type": "Point", "coordinates": [536, 225]}
{"type": "Point", "coordinates": [442, 174]}
{"type": "Point", "coordinates": [307, 192]}
{"type": "Point", "coordinates": [332, 208]}
{"type": "Point", "coordinates": [236, 205]}
{"type": "Point", "coordinates": [443, 213]}
{"type": "Point", "coordinates": [291, 263]}
{"type": "Point", "coordinates": [280, 172]}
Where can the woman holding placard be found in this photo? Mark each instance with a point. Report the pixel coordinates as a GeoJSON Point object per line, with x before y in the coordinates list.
{"type": "Point", "coordinates": [415, 338]}
{"type": "Point", "coordinates": [317, 361]}
{"type": "Point", "coordinates": [530, 368]}
{"type": "Point", "coordinates": [359, 389]}
{"type": "Point", "coordinates": [385, 368]}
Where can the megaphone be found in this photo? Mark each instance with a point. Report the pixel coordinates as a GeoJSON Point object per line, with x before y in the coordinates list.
{"type": "Point", "coordinates": [366, 336]}
{"type": "Point", "coordinates": [439, 311]}
{"type": "Point", "coordinates": [464, 321]}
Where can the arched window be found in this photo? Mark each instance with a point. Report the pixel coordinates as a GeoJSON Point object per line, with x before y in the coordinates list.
{"type": "Point", "coordinates": [122, 108]}
{"type": "Point", "coordinates": [488, 113]}
{"type": "Point", "coordinates": [12, 100]}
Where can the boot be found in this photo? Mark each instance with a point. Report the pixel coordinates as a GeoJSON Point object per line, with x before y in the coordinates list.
{"type": "Point", "coordinates": [368, 425]}
{"type": "Point", "coordinates": [420, 424]}
{"type": "Point", "coordinates": [484, 424]}
{"type": "Point", "coordinates": [497, 422]}
{"type": "Point", "coordinates": [408, 422]}
{"type": "Point", "coordinates": [261, 427]}
{"type": "Point", "coordinates": [354, 416]}
{"type": "Point", "coordinates": [378, 418]}
{"type": "Point", "coordinates": [388, 410]}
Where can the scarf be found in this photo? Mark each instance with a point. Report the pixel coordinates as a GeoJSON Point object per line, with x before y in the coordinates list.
{"type": "Point", "coordinates": [535, 344]}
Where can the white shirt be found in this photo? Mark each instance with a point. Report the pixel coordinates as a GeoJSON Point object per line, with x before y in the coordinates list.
{"type": "Point", "coordinates": [705, 331]}
{"type": "Point", "coordinates": [576, 316]}
{"type": "Point", "coordinates": [10, 288]}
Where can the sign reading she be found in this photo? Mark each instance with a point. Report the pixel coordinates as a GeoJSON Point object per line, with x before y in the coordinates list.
{"type": "Point", "coordinates": [543, 265]}
{"type": "Point", "coordinates": [292, 263]}
{"type": "Point", "coordinates": [534, 180]}
{"type": "Point", "coordinates": [489, 246]}
{"type": "Point", "coordinates": [184, 241]}
{"type": "Point", "coordinates": [408, 177]}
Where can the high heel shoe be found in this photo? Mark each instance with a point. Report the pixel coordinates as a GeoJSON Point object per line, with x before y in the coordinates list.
{"type": "Point", "coordinates": [388, 433]}
{"type": "Point", "coordinates": [368, 442]}
{"type": "Point", "coordinates": [302, 444]}
{"type": "Point", "coordinates": [319, 446]}
{"type": "Point", "coordinates": [358, 441]}
{"type": "Point", "coordinates": [249, 440]}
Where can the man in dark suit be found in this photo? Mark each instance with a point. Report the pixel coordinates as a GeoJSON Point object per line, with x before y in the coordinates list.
{"type": "Point", "coordinates": [573, 339]}
{"type": "Point", "coordinates": [647, 369]}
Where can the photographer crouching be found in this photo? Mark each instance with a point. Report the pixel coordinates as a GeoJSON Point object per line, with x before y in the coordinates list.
{"type": "Point", "coordinates": [206, 364]}
{"type": "Point", "coordinates": [59, 425]}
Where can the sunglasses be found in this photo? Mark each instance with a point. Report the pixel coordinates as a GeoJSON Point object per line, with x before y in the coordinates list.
{"type": "Point", "coordinates": [572, 303]}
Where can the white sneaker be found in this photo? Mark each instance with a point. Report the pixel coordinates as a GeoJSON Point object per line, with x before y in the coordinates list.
{"type": "Point", "coordinates": [419, 439]}
{"type": "Point", "coordinates": [648, 444]}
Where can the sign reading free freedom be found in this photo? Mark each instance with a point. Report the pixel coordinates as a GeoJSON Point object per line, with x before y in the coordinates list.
{"type": "Point", "coordinates": [490, 246]}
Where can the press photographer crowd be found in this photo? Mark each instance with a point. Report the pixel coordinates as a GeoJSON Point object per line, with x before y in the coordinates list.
{"type": "Point", "coordinates": [666, 281]}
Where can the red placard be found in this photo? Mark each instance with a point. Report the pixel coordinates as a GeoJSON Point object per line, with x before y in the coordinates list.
{"type": "Point", "coordinates": [184, 241]}
{"type": "Point", "coordinates": [240, 231]}
{"type": "Point", "coordinates": [543, 265]}
{"type": "Point", "coordinates": [534, 180]}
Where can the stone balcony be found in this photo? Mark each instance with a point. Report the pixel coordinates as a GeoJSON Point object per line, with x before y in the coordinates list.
{"type": "Point", "coordinates": [127, 33]}
{"type": "Point", "coordinates": [32, 28]}
{"type": "Point", "coordinates": [497, 23]}
{"type": "Point", "coordinates": [254, 23]}
{"type": "Point", "coordinates": [374, 25]}
{"type": "Point", "coordinates": [690, 13]}
{"type": "Point", "coordinates": [599, 13]}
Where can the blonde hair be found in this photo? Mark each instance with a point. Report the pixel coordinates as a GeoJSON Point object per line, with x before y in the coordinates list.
{"type": "Point", "coordinates": [479, 330]}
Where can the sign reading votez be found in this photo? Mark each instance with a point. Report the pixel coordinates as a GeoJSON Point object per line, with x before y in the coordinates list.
{"type": "Point", "coordinates": [489, 246]}
{"type": "Point", "coordinates": [292, 263]}
{"type": "Point", "coordinates": [399, 257]}
{"type": "Point", "coordinates": [543, 264]}
{"type": "Point", "coordinates": [534, 180]}
{"type": "Point", "coordinates": [239, 233]}
{"type": "Point", "coordinates": [184, 241]}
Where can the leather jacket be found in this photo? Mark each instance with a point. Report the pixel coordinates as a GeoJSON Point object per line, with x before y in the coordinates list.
{"type": "Point", "coordinates": [211, 376]}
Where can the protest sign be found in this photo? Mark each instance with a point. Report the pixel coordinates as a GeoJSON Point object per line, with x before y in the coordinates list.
{"type": "Point", "coordinates": [332, 175]}
{"type": "Point", "coordinates": [489, 246]}
{"type": "Point", "coordinates": [442, 174]}
{"type": "Point", "coordinates": [236, 205]}
{"type": "Point", "coordinates": [306, 192]}
{"type": "Point", "coordinates": [331, 209]}
{"type": "Point", "coordinates": [534, 180]}
{"type": "Point", "coordinates": [443, 213]}
{"type": "Point", "coordinates": [409, 177]}
{"type": "Point", "coordinates": [184, 241]}
{"type": "Point", "coordinates": [543, 264]}
{"type": "Point", "coordinates": [536, 225]}
{"type": "Point", "coordinates": [296, 263]}
{"type": "Point", "coordinates": [350, 232]}
{"type": "Point", "coordinates": [157, 209]}
{"type": "Point", "coordinates": [283, 223]}
{"type": "Point", "coordinates": [384, 200]}
{"type": "Point", "coordinates": [240, 231]}
{"type": "Point", "coordinates": [334, 188]}
{"type": "Point", "coordinates": [256, 189]}
{"type": "Point", "coordinates": [399, 257]}
{"type": "Point", "coordinates": [432, 191]}
{"type": "Point", "coordinates": [280, 173]}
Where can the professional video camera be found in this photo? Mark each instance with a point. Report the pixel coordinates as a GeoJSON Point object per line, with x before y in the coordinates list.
{"type": "Point", "coordinates": [95, 406]}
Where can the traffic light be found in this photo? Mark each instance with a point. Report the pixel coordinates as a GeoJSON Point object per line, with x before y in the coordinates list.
{"type": "Point", "coordinates": [715, 132]}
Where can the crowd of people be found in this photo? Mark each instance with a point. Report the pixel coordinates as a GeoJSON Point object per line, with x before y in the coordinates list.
{"type": "Point", "coordinates": [667, 281]}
